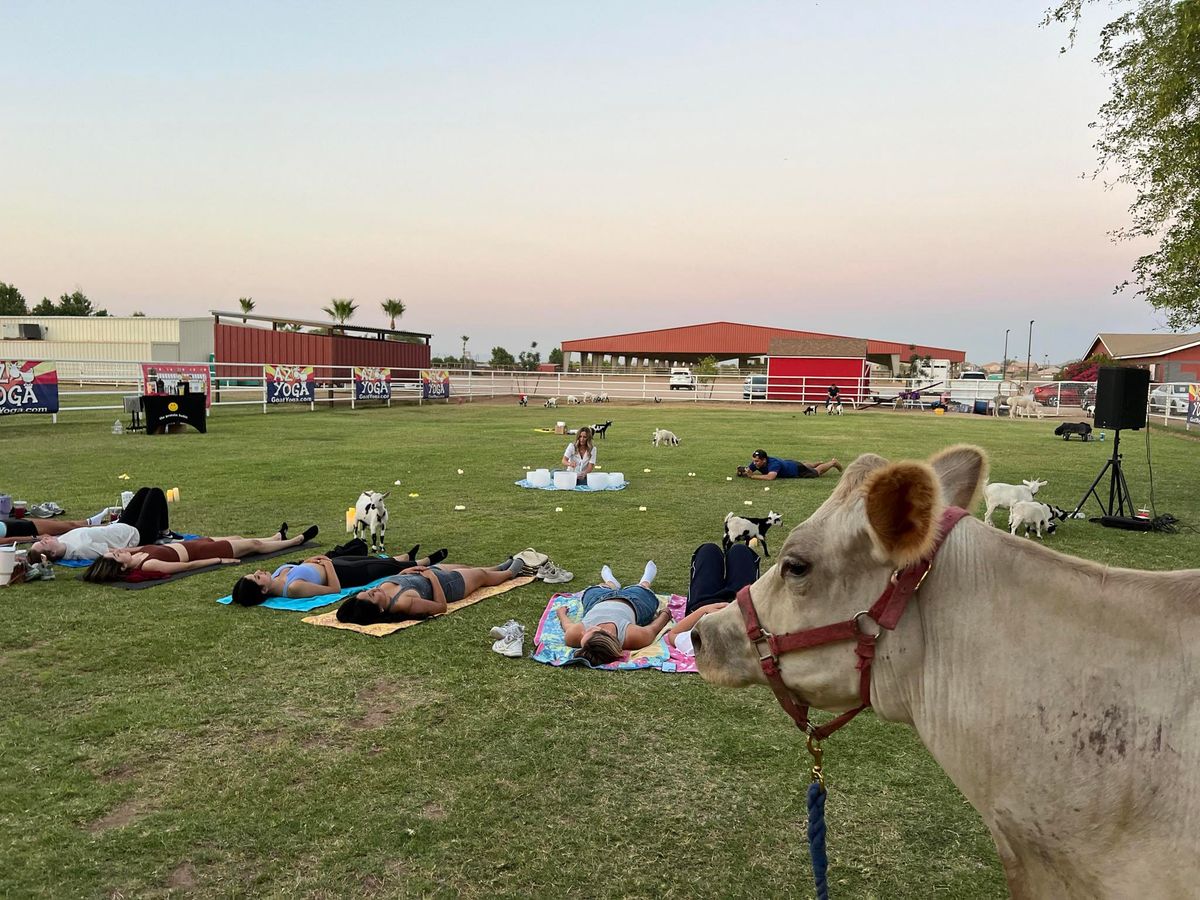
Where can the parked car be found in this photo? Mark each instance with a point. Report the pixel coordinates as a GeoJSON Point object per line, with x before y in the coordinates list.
{"type": "Point", "coordinates": [682, 380]}
{"type": "Point", "coordinates": [1170, 398]}
{"type": "Point", "coordinates": [1065, 393]}
{"type": "Point", "coordinates": [754, 387]}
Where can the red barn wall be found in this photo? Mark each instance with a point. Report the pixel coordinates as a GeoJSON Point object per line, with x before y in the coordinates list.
{"type": "Point", "coordinates": [240, 343]}
{"type": "Point", "coordinates": [784, 374]}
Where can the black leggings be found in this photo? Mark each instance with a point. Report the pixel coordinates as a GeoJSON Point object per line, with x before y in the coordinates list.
{"type": "Point", "coordinates": [717, 576]}
{"type": "Point", "coordinates": [355, 571]}
{"type": "Point", "coordinates": [147, 512]}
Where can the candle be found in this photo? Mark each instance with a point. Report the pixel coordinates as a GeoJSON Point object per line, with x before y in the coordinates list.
{"type": "Point", "coordinates": [350, 519]}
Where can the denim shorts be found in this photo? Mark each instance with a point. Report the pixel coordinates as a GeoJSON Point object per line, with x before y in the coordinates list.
{"type": "Point", "coordinates": [643, 601]}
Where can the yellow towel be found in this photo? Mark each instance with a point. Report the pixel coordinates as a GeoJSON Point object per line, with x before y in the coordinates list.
{"type": "Point", "coordinates": [380, 629]}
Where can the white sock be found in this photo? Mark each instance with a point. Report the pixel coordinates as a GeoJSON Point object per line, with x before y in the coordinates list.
{"type": "Point", "coordinates": [98, 517]}
{"type": "Point", "coordinates": [651, 572]}
{"type": "Point", "coordinates": [606, 575]}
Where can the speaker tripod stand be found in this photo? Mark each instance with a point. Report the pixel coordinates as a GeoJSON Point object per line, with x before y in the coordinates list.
{"type": "Point", "coordinates": [1119, 501]}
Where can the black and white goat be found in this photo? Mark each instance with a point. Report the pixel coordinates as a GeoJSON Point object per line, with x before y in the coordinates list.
{"type": "Point", "coordinates": [601, 428]}
{"type": "Point", "coordinates": [747, 528]}
{"type": "Point", "coordinates": [370, 518]}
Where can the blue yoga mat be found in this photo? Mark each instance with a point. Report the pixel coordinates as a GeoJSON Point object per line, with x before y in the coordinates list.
{"type": "Point", "coordinates": [524, 483]}
{"type": "Point", "coordinates": [305, 604]}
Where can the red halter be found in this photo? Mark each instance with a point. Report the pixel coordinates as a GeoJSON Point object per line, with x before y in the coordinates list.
{"type": "Point", "coordinates": [886, 613]}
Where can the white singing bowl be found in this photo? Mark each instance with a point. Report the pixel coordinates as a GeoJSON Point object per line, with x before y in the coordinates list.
{"type": "Point", "coordinates": [564, 481]}
{"type": "Point", "coordinates": [616, 479]}
{"type": "Point", "coordinates": [539, 477]}
{"type": "Point", "coordinates": [597, 481]}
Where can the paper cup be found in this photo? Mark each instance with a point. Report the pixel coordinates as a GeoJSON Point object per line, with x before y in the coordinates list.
{"type": "Point", "coordinates": [8, 561]}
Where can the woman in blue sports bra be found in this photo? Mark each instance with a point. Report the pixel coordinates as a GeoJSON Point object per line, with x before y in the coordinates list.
{"type": "Point", "coordinates": [422, 591]}
{"type": "Point", "coordinates": [320, 575]}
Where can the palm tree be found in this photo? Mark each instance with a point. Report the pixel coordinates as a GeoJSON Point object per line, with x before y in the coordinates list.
{"type": "Point", "coordinates": [465, 338]}
{"type": "Point", "coordinates": [247, 304]}
{"type": "Point", "coordinates": [393, 309]}
{"type": "Point", "coordinates": [340, 310]}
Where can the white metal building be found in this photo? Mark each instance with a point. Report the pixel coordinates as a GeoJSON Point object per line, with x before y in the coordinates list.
{"type": "Point", "coordinates": [129, 338]}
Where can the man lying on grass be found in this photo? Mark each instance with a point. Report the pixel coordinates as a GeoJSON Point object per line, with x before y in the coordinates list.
{"type": "Point", "coordinates": [768, 468]}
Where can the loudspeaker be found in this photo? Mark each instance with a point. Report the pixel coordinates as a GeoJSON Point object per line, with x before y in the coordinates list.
{"type": "Point", "coordinates": [1121, 397]}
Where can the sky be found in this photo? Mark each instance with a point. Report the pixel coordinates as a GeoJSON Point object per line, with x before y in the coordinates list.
{"type": "Point", "coordinates": [543, 171]}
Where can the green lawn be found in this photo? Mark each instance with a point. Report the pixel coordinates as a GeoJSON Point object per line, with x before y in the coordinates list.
{"type": "Point", "coordinates": [155, 741]}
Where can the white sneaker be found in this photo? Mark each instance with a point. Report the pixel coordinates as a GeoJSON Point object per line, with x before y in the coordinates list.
{"type": "Point", "coordinates": [501, 631]}
{"type": "Point", "coordinates": [552, 574]}
{"type": "Point", "coordinates": [512, 642]}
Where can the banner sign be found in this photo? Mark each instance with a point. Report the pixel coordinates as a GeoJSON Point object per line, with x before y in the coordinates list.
{"type": "Point", "coordinates": [435, 384]}
{"type": "Point", "coordinates": [165, 378]}
{"type": "Point", "coordinates": [372, 383]}
{"type": "Point", "coordinates": [290, 384]}
{"type": "Point", "coordinates": [1193, 417]}
{"type": "Point", "coordinates": [28, 386]}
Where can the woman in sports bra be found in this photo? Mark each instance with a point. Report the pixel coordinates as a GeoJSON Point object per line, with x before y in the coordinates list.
{"type": "Point", "coordinates": [163, 560]}
{"type": "Point", "coordinates": [422, 591]}
{"type": "Point", "coordinates": [319, 575]}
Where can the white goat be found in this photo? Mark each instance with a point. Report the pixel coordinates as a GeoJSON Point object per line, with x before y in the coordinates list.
{"type": "Point", "coordinates": [661, 436]}
{"type": "Point", "coordinates": [551, 403]}
{"type": "Point", "coordinates": [1003, 496]}
{"type": "Point", "coordinates": [370, 517]}
{"type": "Point", "coordinates": [1031, 514]}
{"type": "Point", "coordinates": [1023, 405]}
{"type": "Point", "coordinates": [572, 399]}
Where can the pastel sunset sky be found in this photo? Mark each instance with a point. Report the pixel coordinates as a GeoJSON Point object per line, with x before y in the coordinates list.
{"type": "Point", "coordinates": [551, 170]}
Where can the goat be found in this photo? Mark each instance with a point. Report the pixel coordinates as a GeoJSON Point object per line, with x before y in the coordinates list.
{"type": "Point", "coordinates": [1023, 405]}
{"type": "Point", "coordinates": [746, 529]}
{"type": "Point", "coordinates": [370, 517]}
{"type": "Point", "coordinates": [810, 410]}
{"type": "Point", "coordinates": [1033, 515]}
{"type": "Point", "coordinates": [600, 429]}
{"type": "Point", "coordinates": [572, 400]}
{"type": "Point", "coordinates": [661, 436]}
{"type": "Point", "coordinates": [1003, 496]}
{"type": "Point", "coordinates": [551, 403]}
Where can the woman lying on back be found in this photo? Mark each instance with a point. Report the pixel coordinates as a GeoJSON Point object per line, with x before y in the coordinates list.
{"type": "Point", "coordinates": [422, 591]}
{"type": "Point", "coordinates": [615, 619]}
{"type": "Point", "coordinates": [163, 560]}
{"type": "Point", "coordinates": [320, 575]}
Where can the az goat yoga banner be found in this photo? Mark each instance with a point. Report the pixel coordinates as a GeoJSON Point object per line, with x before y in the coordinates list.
{"type": "Point", "coordinates": [289, 384]}
{"type": "Point", "coordinates": [372, 383]}
{"type": "Point", "coordinates": [435, 384]}
{"type": "Point", "coordinates": [28, 386]}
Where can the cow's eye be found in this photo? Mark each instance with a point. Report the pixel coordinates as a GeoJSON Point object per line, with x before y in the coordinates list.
{"type": "Point", "coordinates": [794, 568]}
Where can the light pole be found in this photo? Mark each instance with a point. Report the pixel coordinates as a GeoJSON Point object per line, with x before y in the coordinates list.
{"type": "Point", "coordinates": [1029, 350]}
{"type": "Point", "coordinates": [1004, 365]}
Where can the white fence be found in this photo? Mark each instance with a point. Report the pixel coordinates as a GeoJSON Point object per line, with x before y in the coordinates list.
{"type": "Point", "coordinates": [103, 384]}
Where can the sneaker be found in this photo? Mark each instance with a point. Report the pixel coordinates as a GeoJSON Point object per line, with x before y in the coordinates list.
{"type": "Point", "coordinates": [39, 572]}
{"type": "Point", "coordinates": [41, 511]}
{"type": "Point", "coordinates": [552, 574]}
{"type": "Point", "coordinates": [512, 641]}
{"type": "Point", "coordinates": [502, 631]}
{"type": "Point", "coordinates": [531, 558]}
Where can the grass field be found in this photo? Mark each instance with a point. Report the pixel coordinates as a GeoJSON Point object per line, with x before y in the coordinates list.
{"type": "Point", "coordinates": [156, 742]}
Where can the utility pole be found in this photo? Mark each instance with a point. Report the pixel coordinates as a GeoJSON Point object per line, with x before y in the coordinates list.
{"type": "Point", "coordinates": [1029, 350]}
{"type": "Point", "coordinates": [1004, 365]}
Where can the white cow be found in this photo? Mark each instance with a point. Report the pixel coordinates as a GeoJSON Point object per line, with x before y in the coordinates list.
{"type": "Point", "coordinates": [1058, 694]}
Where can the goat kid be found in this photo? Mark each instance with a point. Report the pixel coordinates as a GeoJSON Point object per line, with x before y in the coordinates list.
{"type": "Point", "coordinates": [370, 518]}
{"type": "Point", "coordinates": [747, 528]}
{"type": "Point", "coordinates": [1003, 496]}
{"type": "Point", "coordinates": [662, 437]}
{"type": "Point", "coordinates": [1032, 515]}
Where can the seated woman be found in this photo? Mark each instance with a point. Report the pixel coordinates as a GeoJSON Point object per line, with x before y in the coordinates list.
{"type": "Point", "coordinates": [161, 560]}
{"type": "Point", "coordinates": [615, 619]}
{"type": "Point", "coordinates": [717, 576]}
{"type": "Point", "coordinates": [319, 575]}
{"type": "Point", "coordinates": [422, 591]}
{"type": "Point", "coordinates": [580, 455]}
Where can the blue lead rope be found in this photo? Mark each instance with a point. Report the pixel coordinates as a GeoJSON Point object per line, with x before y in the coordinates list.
{"type": "Point", "coordinates": [816, 838]}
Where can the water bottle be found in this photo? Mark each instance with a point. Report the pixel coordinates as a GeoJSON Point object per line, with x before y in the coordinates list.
{"type": "Point", "coordinates": [118, 428]}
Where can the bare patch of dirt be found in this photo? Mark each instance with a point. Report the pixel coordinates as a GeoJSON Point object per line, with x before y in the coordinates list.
{"type": "Point", "coordinates": [384, 700]}
{"type": "Point", "coordinates": [123, 814]}
{"type": "Point", "coordinates": [434, 812]}
{"type": "Point", "coordinates": [119, 773]}
{"type": "Point", "coordinates": [182, 877]}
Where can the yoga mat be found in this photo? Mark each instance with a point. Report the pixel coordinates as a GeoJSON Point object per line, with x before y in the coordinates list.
{"type": "Point", "coordinates": [381, 629]}
{"type": "Point", "coordinates": [524, 483]}
{"type": "Point", "coordinates": [550, 647]}
{"type": "Point", "coordinates": [154, 582]}
{"type": "Point", "coordinates": [84, 563]}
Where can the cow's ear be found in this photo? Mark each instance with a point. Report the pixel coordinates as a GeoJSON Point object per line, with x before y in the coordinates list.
{"type": "Point", "coordinates": [961, 470]}
{"type": "Point", "coordinates": [903, 502]}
